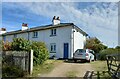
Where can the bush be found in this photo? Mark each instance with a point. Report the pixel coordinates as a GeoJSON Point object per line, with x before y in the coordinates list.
{"type": "Point", "coordinates": [39, 48]}
{"type": "Point", "coordinates": [6, 46]}
{"type": "Point", "coordinates": [20, 44]}
{"type": "Point", "coordinates": [40, 52]}
{"type": "Point", "coordinates": [103, 53]}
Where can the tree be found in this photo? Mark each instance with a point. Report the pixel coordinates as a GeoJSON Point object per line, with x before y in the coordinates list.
{"type": "Point", "coordinates": [95, 44]}
{"type": "Point", "coordinates": [117, 47]}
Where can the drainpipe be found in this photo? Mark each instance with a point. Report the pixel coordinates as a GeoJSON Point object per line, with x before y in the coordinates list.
{"type": "Point", "coordinates": [28, 35]}
{"type": "Point", "coordinates": [73, 39]}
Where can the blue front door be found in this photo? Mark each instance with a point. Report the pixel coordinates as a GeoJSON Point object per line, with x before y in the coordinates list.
{"type": "Point", "coordinates": [66, 46]}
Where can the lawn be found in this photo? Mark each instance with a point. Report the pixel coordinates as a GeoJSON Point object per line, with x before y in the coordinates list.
{"type": "Point", "coordinates": [100, 69]}
{"type": "Point", "coordinates": [45, 68]}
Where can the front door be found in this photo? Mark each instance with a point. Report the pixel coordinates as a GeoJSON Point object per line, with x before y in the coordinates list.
{"type": "Point", "coordinates": [66, 47]}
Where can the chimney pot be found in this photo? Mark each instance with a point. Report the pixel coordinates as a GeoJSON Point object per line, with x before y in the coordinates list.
{"type": "Point", "coordinates": [55, 20]}
{"type": "Point", "coordinates": [24, 26]}
{"type": "Point", "coordinates": [2, 30]}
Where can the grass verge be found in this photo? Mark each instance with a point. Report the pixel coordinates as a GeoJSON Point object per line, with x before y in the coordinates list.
{"type": "Point", "coordinates": [100, 68]}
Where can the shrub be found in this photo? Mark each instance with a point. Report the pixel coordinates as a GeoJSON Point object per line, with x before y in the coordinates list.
{"type": "Point", "coordinates": [6, 46]}
{"type": "Point", "coordinates": [20, 44]}
{"type": "Point", "coordinates": [103, 53]}
{"type": "Point", "coordinates": [39, 48]}
{"type": "Point", "coordinates": [40, 52]}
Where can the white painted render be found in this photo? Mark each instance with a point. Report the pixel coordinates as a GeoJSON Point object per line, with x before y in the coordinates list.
{"type": "Point", "coordinates": [24, 28]}
{"type": "Point", "coordinates": [65, 34]}
{"type": "Point", "coordinates": [55, 22]}
{"type": "Point", "coordinates": [1, 32]}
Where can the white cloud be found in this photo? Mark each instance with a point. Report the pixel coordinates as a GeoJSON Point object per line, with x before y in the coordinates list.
{"type": "Point", "coordinates": [99, 19]}
{"type": "Point", "coordinates": [60, 1]}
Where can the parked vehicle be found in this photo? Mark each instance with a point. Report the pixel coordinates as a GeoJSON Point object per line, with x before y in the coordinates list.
{"type": "Point", "coordinates": [84, 54]}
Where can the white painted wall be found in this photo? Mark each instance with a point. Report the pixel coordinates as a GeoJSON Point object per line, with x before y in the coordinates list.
{"type": "Point", "coordinates": [1, 32]}
{"type": "Point", "coordinates": [63, 35]}
{"type": "Point", "coordinates": [79, 41]}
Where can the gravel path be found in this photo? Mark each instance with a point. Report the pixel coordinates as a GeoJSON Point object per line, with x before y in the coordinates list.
{"type": "Point", "coordinates": [62, 69]}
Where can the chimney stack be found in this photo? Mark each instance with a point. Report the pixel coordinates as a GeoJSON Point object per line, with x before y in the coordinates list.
{"type": "Point", "coordinates": [2, 30]}
{"type": "Point", "coordinates": [24, 26]}
{"type": "Point", "coordinates": [55, 20]}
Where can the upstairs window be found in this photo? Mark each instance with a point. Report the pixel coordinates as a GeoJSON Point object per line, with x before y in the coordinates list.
{"type": "Point", "coordinates": [53, 32]}
{"type": "Point", "coordinates": [35, 34]}
{"type": "Point", "coordinates": [52, 47]}
{"type": "Point", "coordinates": [15, 35]}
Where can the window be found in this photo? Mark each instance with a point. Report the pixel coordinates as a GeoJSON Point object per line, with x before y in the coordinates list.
{"type": "Point", "coordinates": [15, 35]}
{"type": "Point", "coordinates": [35, 34]}
{"type": "Point", "coordinates": [53, 47]}
{"type": "Point", "coordinates": [53, 32]}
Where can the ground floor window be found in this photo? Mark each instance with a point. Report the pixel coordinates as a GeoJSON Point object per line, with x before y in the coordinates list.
{"type": "Point", "coordinates": [53, 48]}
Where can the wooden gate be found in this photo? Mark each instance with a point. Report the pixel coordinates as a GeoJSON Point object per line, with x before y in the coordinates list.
{"type": "Point", "coordinates": [113, 63]}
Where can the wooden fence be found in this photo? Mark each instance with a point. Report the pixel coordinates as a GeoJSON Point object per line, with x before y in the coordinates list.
{"type": "Point", "coordinates": [23, 59]}
{"type": "Point", "coordinates": [113, 63]}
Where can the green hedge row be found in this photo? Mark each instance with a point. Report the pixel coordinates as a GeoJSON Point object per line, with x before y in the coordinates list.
{"type": "Point", "coordinates": [103, 53]}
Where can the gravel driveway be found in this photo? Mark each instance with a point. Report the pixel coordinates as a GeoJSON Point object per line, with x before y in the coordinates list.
{"type": "Point", "coordinates": [62, 69]}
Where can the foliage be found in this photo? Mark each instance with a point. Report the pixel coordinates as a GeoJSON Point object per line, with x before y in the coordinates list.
{"type": "Point", "coordinates": [6, 46]}
{"type": "Point", "coordinates": [103, 53]}
{"type": "Point", "coordinates": [117, 47]}
{"type": "Point", "coordinates": [40, 52]}
{"type": "Point", "coordinates": [95, 44]}
{"type": "Point", "coordinates": [20, 44]}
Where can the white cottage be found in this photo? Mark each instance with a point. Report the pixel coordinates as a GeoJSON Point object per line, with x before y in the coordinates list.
{"type": "Point", "coordinates": [62, 39]}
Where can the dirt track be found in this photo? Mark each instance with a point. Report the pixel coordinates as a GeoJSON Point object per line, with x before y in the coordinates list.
{"type": "Point", "coordinates": [65, 67]}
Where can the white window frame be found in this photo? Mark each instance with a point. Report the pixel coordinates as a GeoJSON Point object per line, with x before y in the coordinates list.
{"type": "Point", "coordinates": [15, 35]}
{"type": "Point", "coordinates": [53, 47]}
{"type": "Point", "coordinates": [53, 32]}
{"type": "Point", "coordinates": [35, 34]}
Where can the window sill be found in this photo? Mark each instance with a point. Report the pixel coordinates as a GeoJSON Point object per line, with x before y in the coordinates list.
{"type": "Point", "coordinates": [34, 37]}
{"type": "Point", "coordinates": [52, 35]}
{"type": "Point", "coordinates": [52, 52]}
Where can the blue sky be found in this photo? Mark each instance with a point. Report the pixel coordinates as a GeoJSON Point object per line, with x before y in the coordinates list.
{"type": "Point", "coordinates": [98, 19]}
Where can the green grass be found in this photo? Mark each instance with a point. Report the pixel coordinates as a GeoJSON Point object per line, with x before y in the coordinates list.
{"type": "Point", "coordinates": [100, 69]}
{"type": "Point", "coordinates": [99, 65]}
{"type": "Point", "coordinates": [45, 68]}
{"type": "Point", "coordinates": [71, 74]}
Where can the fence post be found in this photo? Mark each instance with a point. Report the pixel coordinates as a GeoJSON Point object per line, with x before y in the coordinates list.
{"type": "Point", "coordinates": [31, 62]}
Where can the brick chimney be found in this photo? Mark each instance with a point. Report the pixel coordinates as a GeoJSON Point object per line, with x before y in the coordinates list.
{"type": "Point", "coordinates": [2, 30]}
{"type": "Point", "coordinates": [24, 26]}
{"type": "Point", "coordinates": [55, 20]}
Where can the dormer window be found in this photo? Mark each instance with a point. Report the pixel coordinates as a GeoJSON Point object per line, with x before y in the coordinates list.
{"type": "Point", "coordinates": [35, 34]}
{"type": "Point", "coordinates": [53, 32]}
